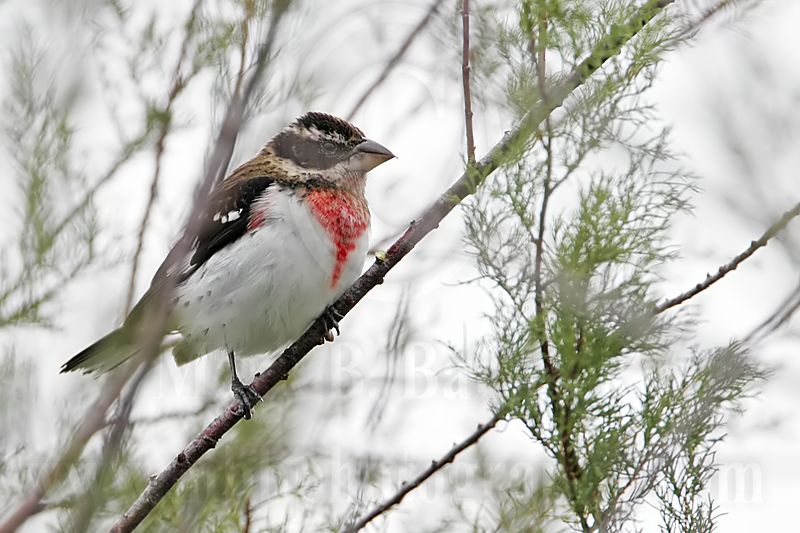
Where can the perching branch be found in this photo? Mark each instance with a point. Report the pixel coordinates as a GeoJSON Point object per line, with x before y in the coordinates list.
{"type": "Point", "coordinates": [395, 60]}
{"type": "Point", "coordinates": [511, 144]}
{"type": "Point", "coordinates": [435, 466]}
{"type": "Point", "coordinates": [762, 241]}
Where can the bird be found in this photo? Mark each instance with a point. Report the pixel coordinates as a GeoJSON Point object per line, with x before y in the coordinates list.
{"type": "Point", "coordinates": [279, 240]}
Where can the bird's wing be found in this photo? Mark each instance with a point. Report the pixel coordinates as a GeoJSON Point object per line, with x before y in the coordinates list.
{"type": "Point", "coordinates": [226, 217]}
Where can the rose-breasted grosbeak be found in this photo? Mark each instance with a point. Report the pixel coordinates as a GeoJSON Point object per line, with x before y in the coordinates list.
{"type": "Point", "coordinates": [281, 239]}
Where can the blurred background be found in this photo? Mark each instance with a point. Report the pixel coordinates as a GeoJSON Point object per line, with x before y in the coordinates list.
{"type": "Point", "coordinates": [84, 92]}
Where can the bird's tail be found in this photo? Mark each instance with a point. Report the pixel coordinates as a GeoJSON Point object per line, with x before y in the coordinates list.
{"type": "Point", "coordinates": [105, 354]}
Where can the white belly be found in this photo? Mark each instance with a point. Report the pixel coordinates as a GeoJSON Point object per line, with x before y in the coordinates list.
{"type": "Point", "coordinates": [261, 292]}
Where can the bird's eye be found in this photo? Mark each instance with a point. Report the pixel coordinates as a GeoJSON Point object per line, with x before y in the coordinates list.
{"type": "Point", "coordinates": [328, 147]}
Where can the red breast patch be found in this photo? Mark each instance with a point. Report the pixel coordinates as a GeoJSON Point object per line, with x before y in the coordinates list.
{"type": "Point", "coordinates": [344, 217]}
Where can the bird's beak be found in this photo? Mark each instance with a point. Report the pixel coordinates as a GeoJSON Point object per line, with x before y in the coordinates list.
{"type": "Point", "coordinates": [368, 155]}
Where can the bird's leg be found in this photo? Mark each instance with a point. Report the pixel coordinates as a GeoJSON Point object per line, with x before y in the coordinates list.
{"type": "Point", "coordinates": [244, 393]}
{"type": "Point", "coordinates": [330, 318]}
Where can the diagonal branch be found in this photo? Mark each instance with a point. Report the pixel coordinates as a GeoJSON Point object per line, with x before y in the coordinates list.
{"type": "Point", "coordinates": [93, 420]}
{"type": "Point", "coordinates": [178, 85]}
{"type": "Point", "coordinates": [512, 143]}
{"type": "Point", "coordinates": [395, 60]}
{"type": "Point", "coordinates": [434, 467]}
{"type": "Point", "coordinates": [725, 269]}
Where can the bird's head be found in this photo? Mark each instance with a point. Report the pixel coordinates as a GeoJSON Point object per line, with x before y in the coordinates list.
{"type": "Point", "coordinates": [331, 146]}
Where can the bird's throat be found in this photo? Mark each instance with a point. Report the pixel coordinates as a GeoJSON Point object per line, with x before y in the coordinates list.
{"type": "Point", "coordinates": [345, 217]}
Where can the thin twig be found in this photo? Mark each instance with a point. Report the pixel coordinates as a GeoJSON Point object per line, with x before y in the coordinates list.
{"type": "Point", "coordinates": [236, 112]}
{"type": "Point", "coordinates": [85, 506]}
{"type": "Point", "coordinates": [783, 312]}
{"type": "Point", "coordinates": [127, 151]}
{"type": "Point", "coordinates": [395, 59]}
{"type": "Point", "coordinates": [511, 143]}
{"type": "Point", "coordinates": [434, 467]}
{"type": "Point", "coordinates": [465, 72]}
{"type": "Point", "coordinates": [178, 84]}
{"type": "Point", "coordinates": [561, 409]}
{"type": "Point", "coordinates": [245, 25]}
{"type": "Point", "coordinates": [248, 515]}
{"type": "Point", "coordinates": [762, 241]}
{"type": "Point", "coordinates": [91, 422]}
{"type": "Point", "coordinates": [181, 414]}
{"type": "Point", "coordinates": [152, 336]}
{"type": "Point", "coordinates": [693, 26]}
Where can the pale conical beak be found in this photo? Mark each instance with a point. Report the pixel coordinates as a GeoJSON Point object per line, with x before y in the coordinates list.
{"type": "Point", "coordinates": [368, 155]}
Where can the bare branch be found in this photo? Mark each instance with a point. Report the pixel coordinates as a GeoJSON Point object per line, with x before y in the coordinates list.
{"type": "Point", "coordinates": [395, 60]}
{"type": "Point", "coordinates": [234, 118]}
{"type": "Point", "coordinates": [725, 269]}
{"type": "Point", "coordinates": [127, 151]}
{"type": "Point", "coordinates": [178, 84]}
{"type": "Point", "coordinates": [435, 466]}
{"type": "Point", "coordinates": [85, 505]}
{"type": "Point", "coordinates": [693, 26]}
{"type": "Point", "coordinates": [465, 72]}
{"type": "Point", "coordinates": [512, 142]}
{"type": "Point", "coordinates": [780, 316]}
{"type": "Point", "coordinates": [92, 421]}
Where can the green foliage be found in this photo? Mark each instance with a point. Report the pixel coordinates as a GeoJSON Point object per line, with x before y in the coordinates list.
{"type": "Point", "coordinates": [578, 354]}
{"type": "Point", "coordinates": [53, 243]}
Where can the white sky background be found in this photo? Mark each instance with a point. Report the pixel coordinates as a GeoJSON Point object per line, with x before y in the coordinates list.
{"type": "Point", "coordinates": [732, 87]}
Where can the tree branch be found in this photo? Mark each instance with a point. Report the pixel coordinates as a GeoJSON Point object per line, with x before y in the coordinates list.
{"type": "Point", "coordinates": [236, 112]}
{"type": "Point", "coordinates": [511, 144]}
{"type": "Point", "coordinates": [92, 421]}
{"type": "Point", "coordinates": [561, 408]}
{"type": "Point", "coordinates": [725, 269]}
{"type": "Point", "coordinates": [84, 507]}
{"type": "Point", "coordinates": [435, 466]}
{"type": "Point", "coordinates": [178, 84]}
{"type": "Point", "coordinates": [465, 71]}
{"type": "Point", "coordinates": [395, 60]}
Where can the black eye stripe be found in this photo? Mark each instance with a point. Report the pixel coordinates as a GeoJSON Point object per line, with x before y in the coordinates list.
{"type": "Point", "coordinates": [310, 153]}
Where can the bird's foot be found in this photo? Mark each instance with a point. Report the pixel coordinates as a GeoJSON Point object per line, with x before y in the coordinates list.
{"type": "Point", "coordinates": [330, 318]}
{"type": "Point", "coordinates": [248, 398]}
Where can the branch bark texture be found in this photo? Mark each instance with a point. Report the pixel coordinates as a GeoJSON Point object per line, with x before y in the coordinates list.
{"type": "Point", "coordinates": [734, 263]}
{"type": "Point", "coordinates": [435, 466]}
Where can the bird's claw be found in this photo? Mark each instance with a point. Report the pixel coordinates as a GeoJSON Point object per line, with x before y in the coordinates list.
{"type": "Point", "coordinates": [330, 319]}
{"type": "Point", "coordinates": [247, 397]}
